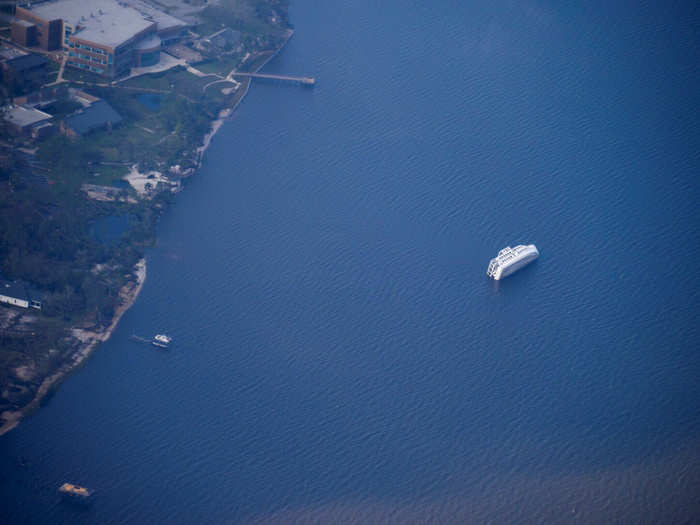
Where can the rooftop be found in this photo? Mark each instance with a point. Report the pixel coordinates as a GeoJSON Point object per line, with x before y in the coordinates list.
{"type": "Point", "coordinates": [13, 289]}
{"type": "Point", "coordinates": [24, 62]}
{"type": "Point", "coordinates": [19, 289]}
{"type": "Point", "coordinates": [93, 117]}
{"type": "Point", "coordinates": [86, 99]}
{"type": "Point", "coordinates": [105, 22]}
{"type": "Point", "coordinates": [164, 20]}
{"type": "Point", "coordinates": [22, 116]}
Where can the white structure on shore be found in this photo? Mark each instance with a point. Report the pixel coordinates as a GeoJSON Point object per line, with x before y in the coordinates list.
{"type": "Point", "coordinates": [510, 260]}
{"type": "Point", "coordinates": [18, 293]}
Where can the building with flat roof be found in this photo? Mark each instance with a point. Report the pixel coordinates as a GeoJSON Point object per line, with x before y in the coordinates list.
{"type": "Point", "coordinates": [106, 37]}
{"type": "Point", "coordinates": [96, 116]}
{"type": "Point", "coordinates": [24, 72]}
{"type": "Point", "coordinates": [21, 120]}
{"type": "Point", "coordinates": [19, 293]}
{"type": "Point", "coordinates": [47, 28]}
{"type": "Point", "coordinates": [169, 27]}
{"type": "Point", "coordinates": [24, 33]}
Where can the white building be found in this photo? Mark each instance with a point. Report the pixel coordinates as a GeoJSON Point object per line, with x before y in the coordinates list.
{"type": "Point", "coordinates": [19, 294]}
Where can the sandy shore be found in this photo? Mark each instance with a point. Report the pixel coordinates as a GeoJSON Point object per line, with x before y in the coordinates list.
{"type": "Point", "coordinates": [89, 340]}
{"type": "Point", "coordinates": [215, 126]}
{"type": "Point", "coordinates": [141, 182]}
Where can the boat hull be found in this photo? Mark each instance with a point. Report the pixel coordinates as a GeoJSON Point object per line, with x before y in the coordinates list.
{"type": "Point", "coordinates": [511, 260]}
{"type": "Point", "coordinates": [512, 268]}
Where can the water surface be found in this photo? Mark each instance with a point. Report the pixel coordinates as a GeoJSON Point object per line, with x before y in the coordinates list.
{"type": "Point", "coordinates": [340, 354]}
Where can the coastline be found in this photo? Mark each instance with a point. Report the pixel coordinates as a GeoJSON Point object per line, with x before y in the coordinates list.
{"type": "Point", "coordinates": [224, 114]}
{"type": "Point", "coordinates": [89, 340]}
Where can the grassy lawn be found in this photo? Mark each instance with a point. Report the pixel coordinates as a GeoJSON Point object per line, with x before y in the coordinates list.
{"type": "Point", "coordinates": [208, 27]}
{"type": "Point", "coordinates": [78, 75]}
{"type": "Point", "coordinates": [159, 81]}
{"type": "Point", "coordinates": [222, 65]}
{"type": "Point", "coordinates": [108, 175]}
{"type": "Point", "coordinates": [248, 16]}
{"type": "Point", "coordinates": [152, 136]}
{"type": "Point", "coordinates": [178, 80]}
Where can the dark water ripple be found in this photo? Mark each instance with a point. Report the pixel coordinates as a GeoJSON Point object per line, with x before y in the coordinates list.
{"type": "Point", "coordinates": [340, 355]}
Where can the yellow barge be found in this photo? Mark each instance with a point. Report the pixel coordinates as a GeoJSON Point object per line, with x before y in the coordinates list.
{"type": "Point", "coordinates": [75, 493]}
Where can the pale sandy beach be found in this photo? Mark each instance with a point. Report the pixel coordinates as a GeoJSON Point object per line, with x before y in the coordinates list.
{"type": "Point", "coordinates": [89, 342]}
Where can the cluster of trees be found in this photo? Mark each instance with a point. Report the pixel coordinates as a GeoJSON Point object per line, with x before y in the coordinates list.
{"type": "Point", "coordinates": [45, 240]}
{"type": "Point", "coordinates": [255, 17]}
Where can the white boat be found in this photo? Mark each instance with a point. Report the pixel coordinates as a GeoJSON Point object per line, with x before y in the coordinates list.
{"type": "Point", "coordinates": [161, 340]}
{"type": "Point", "coordinates": [510, 260]}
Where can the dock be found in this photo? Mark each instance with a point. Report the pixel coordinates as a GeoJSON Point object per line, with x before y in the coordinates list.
{"type": "Point", "coordinates": [302, 81]}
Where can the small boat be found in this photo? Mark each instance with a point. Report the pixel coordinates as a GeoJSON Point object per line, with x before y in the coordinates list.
{"type": "Point", "coordinates": [161, 340]}
{"type": "Point", "coordinates": [75, 494]}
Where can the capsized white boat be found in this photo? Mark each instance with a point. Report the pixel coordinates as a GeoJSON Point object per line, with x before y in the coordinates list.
{"type": "Point", "coordinates": [510, 260]}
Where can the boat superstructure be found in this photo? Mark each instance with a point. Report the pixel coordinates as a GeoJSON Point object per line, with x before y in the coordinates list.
{"type": "Point", "coordinates": [161, 340]}
{"type": "Point", "coordinates": [510, 260]}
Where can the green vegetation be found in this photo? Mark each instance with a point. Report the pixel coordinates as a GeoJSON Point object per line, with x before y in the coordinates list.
{"type": "Point", "coordinates": [221, 65]}
{"type": "Point", "coordinates": [45, 233]}
{"type": "Point", "coordinates": [255, 18]}
{"type": "Point", "coordinates": [150, 138]}
{"type": "Point", "coordinates": [80, 75]}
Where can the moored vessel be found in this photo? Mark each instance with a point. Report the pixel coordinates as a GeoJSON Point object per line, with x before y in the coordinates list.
{"type": "Point", "coordinates": [510, 260]}
{"type": "Point", "coordinates": [161, 340]}
{"type": "Point", "coordinates": [75, 493]}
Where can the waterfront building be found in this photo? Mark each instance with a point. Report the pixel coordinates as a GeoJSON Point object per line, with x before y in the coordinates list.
{"type": "Point", "coordinates": [105, 37]}
{"type": "Point", "coordinates": [19, 293]}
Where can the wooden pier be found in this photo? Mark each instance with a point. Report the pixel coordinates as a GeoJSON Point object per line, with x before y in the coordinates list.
{"type": "Point", "coordinates": [302, 81]}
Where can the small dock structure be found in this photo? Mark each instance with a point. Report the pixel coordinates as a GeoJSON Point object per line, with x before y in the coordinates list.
{"type": "Point", "coordinates": [302, 81]}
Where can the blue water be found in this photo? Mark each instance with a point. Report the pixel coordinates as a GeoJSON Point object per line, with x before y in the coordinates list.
{"type": "Point", "coordinates": [340, 355]}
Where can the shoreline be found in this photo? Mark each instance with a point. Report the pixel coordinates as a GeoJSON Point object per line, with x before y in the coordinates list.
{"type": "Point", "coordinates": [226, 113]}
{"type": "Point", "coordinates": [90, 340]}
